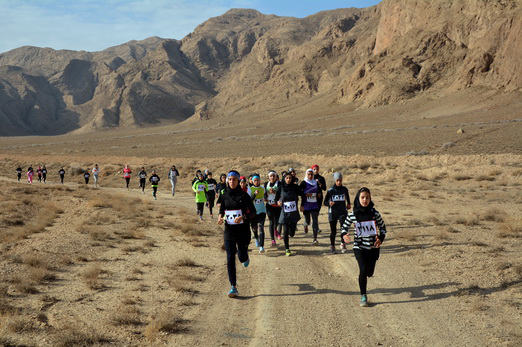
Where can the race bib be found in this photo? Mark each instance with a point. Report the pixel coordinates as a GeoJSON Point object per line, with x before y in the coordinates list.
{"type": "Point", "coordinates": [201, 187]}
{"type": "Point", "coordinates": [368, 228]}
{"type": "Point", "coordinates": [143, 176]}
{"type": "Point", "coordinates": [258, 201]}
{"type": "Point", "coordinates": [338, 198]}
{"type": "Point", "coordinates": [290, 206]}
{"type": "Point", "coordinates": [231, 215]}
{"type": "Point", "coordinates": [154, 179]}
{"type": "Point", "coordinates": [271, 199]}
{"type": "Point", "coordinates": [312, 198]}
{"type": "Point", "coordinates": [211, 186]}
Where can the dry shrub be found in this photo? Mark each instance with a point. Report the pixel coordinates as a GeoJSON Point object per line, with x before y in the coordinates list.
{"type": "Point", "coordinates": [494, 215]}
{"type": "Point", "coordinates": [185, 262]}
{"type": "Point", "coordinates": [441, 234]}
{"type": "Point", "coordinates": [77, 336]}
{"type": "Point", "coordinates": [132, 234]}
{"type": "Point", "coordinates": [461, 177]}
{"type": "Point", "coordinates": [468, 220]}
{"type": "Point", "coordinates": [484, 178]}
{"type": "Point", "coordinates": [168, 322]}
{"type": "Point", "coordinates": [91, 276]}
{"type": "Point", "coordinates": [17, 324]}
{"type": "Point", "coordinates": [191, 229]}
{"type": "Point", "coordinates": [126, 315]}
{"type": "Point", "coordinates": [34, 261]}
{"type": "Point", "coordinates": [99, 202]}
{"type": "Point", "coordinates": [99, 235]}
{"type": "Point", "coordinates": [407, 235]}
{"type": "Point", "coordinates": [24, 285]}
{"type": "Point", "coordinates": [452, 230]}
{"type": "Point", "coordinates": [39, 275]}
{"type": "Point", "coordinates": [364, 166]}
{"type": "Point", "coordinates": [422, 177]}
{"type": "Point", "coordinates": [511, 228]}
{"type": "Point", "coordinates": [415, 222]}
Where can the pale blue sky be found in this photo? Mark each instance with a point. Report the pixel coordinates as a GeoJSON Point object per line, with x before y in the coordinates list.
{"type": "Point", "coordinates": [94, 25]}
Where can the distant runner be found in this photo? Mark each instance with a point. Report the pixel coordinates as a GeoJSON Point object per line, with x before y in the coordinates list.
{"type": "Point", "coordinates": [273, 209]}
{"type": "Point", "coordinates": [86, 175]}
{"type": "Point", "coordinates": [39, 173]}
{"type": "Point", "coordinates": [173, 178]}
{"type": "Point", "coordinates": [154, 181]}
{"type": "Point", "coordinates": [44, 174]}
{"type": "Point", "coordinates": [19, 173]}
{"type": "Point", "coordinates": [211, 193]}
{"type": "Point", "coordinates": [62, 174]}
{"type": "Point", "coordinates": [200, 187]}
{"type": "Point", "coordinates": [30, 174]}
{"type": "Point", "coordinates": [127, 175]}
{"type": "Point", "coordinates": [95, 173]}
{"type": "Point", "coordinates": [142, 175]}
{"type": "Point", "coordinates": [258, 197]}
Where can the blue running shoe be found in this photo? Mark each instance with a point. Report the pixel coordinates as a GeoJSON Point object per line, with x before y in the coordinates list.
{"type": "Point", "coordinates": [364, 301]}
{"type": "Point", "coordinates": [233, 292]}
{"type": "Point", "coordinates": [246, 263]}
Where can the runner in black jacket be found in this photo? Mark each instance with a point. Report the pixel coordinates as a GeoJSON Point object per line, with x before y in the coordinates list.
{"type": "Point", "coordinates": [236, 211]}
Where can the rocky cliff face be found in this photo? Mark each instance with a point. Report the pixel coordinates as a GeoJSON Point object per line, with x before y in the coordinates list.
{"type": "Point", "coordinates": [244, 61]}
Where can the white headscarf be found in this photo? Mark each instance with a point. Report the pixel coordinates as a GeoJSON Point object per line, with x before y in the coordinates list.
{"type": "Point", "coordinates": [313, 181]}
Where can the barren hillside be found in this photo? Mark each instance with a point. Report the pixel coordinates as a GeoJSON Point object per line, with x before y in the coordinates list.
{"type": "Point", "coordinates": [244, 63]}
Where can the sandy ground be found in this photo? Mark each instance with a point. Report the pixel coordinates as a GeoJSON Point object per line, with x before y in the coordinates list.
{"type": "Point", "coordinates": [124, 270]}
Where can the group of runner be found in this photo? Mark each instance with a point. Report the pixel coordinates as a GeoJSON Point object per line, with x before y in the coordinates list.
{"type": "Point", "coordinates": [154, 179]}
{"type": "Point", "coordinates": [245, 203]}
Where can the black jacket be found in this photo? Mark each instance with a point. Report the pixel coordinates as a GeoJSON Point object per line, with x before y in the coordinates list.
{"type": "Point", "coordinates": [237, 199]}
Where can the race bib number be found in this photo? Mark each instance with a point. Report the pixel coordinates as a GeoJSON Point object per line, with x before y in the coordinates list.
{"type": "Point", "coordinates": [231, 215]}
{"type": "Point", "coordinates": [338, 198]}
{"type": "Point", "coordinates": [201, 187]}
{"type": "Point", "coordinates": [271, 199]}
{"type": "Point", "coordinates": [312, 198]}
{"type": "Point", "coordinates": [143, 176]}
{"type": "Point", "coordinates": [368, 228]}
{"type": "Point", "coordinates": [211, 186]}
{"type": "Point", "coordinates": [258, 201]}
{"type": "Point", "coordinates": [154, 179]}
{"type": "Point", "coordinates": [290, 206]}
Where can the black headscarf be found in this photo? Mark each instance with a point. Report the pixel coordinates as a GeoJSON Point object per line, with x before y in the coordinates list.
{"type": "Point", "coordinates": [361, 213]}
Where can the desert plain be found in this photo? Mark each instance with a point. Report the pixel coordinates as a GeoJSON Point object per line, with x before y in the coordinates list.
{"type": "Point", "coordinates": [107, 266]}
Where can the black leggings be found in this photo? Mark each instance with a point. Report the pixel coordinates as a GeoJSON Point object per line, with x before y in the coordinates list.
{"type": "Point", "coordinates": [19, 176]}
{"type": "Point", "coordinates": [289, 231]}
{"type": "Point", "coordinates": [86, 180]}
{"type": "Point", "coordinates": [367, 260]}
{"type": "Point", "coordinates": [210, 205]}
{"type": "Point", "coordinates": [44, 177]}
{"type": "Point", "coordinates": [154, 191]}
{"type": "Point", "coordinates": [199, 207]}
{"type": "Point", "coordinates": [314, 216]}
{"type": "Point", "coordinates": [232, 247]}
{"type": "Point", "coordinates": [142, 184]}
{"type": "Point", "coordinates": [61, 178]}
{"type": "Point", "coordinates": [127, 180]}
{"type": "Point", "coordinates": [333, 229]}
{"type": "Point", "coordinates": [273, 218]}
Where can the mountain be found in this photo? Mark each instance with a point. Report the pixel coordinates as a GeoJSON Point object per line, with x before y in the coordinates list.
{"type": "Point", "coordinates": [245, 61]}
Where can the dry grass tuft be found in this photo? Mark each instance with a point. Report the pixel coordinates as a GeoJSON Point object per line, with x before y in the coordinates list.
{"type": "Point", "coordinates": [461, 177]}
{"type": "Point", "coordinates": [185, 262]}
{"type": "Point", "coordinates": [126, 315]}
{"type": "Point", "coordinates": [408, 235]}
{"type": "Point", "coordinates": [468, 220]}
{"type": "Point", "coordinates": [77, 336]}
{"type": "Point", "coordinates": [494, 215]}
{"type": "Point", "coordinates": [91, 276]}
{"type": "Point", "coordinates": [168, 322]}
{"type": "Point", "coordinates": [511, 228]}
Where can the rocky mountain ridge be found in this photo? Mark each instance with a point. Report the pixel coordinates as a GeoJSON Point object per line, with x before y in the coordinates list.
{"type": "Point", "coordinates": [245, 61]}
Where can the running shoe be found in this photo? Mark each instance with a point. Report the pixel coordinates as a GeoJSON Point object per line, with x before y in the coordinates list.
{"type": "Point", "coordinates": [279, 237]}
{"type": "Point", "coordinates": [274, 244]}
{"type": "Point", "coordinates": [257, 242]}
{"type": "Point", "coordinates": [364, 301]}
{"type": "Point", "coordinates": [288, 253]}
{"type": "Point", "coordinates": [306, 229]}
{"type": "Point", "coordinates": [155, 198]}
{"type": "Point", "coordinates": [201, 218]}
{"type": "Point", "coordinates": [276, 233]}
{"type": "Point", "coordinates": [332, 250]}
{"type": "Point", "coordinates": [319, 231]}
{"type": "Point", "coordinates": [261, 249]}
{"type": "Point", "coordinates": [212, 216]}
{"type": "Point", "coordinates": [315, 243]}
{"type": "Point", "coordinates": [343, 247]}
{"type": "Point", "coordinates": [246, 263]}
{"type": "Point", "coordinates": [233, 292]}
